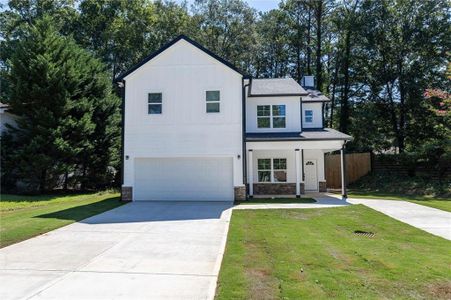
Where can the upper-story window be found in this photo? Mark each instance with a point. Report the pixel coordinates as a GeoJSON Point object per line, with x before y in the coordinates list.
{"type": "Point", "coordinates": [308, 116]}
{"type": "Point", "coordinates": [212, 98]}
{"type": "Point", "coordinates": [155, 103]}
{"type": "Point", "coordinates": [272, 170]}
{"type": "Point", "coordinates": [271, 116]}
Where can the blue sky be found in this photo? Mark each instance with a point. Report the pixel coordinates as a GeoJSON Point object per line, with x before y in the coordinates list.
{"type": "Point", "coordinates": [263, 5]}
{"type": "Point", "coordinates": [260, 5]}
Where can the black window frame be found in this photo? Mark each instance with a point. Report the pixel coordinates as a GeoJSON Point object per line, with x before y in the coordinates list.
{"type": "Point", "coordinates": [153, 103]}
{"type": "Point", "coordinates": [212, 102]}
{"type": "Point", "coordinates": [274, 114]}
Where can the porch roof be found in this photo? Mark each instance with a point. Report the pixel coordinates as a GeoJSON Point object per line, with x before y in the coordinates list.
{"type": "Point", "coordinates": [314, 96]}
{"type": "Point", "coordinates": [275, 87]}
{"type": "Point", "coordinates": [321, 134]}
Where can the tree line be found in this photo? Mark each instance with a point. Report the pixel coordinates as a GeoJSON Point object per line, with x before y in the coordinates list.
{"type": "Point", "coordinates": [384, 65]}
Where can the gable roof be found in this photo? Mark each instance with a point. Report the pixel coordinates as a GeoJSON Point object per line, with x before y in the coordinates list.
{"type": "Point", "coordinates": [314, 96]}
{"type": "Point", "coordinates": [275, 87]}
{"type": "Point", "coordinates": [168, 45]}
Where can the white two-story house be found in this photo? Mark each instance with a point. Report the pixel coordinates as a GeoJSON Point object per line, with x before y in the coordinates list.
{"type": "Point", "coordinates": [196, 128]}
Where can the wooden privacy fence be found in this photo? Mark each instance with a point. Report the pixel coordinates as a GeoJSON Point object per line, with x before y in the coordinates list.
{"type": "Point", "coordinates": [357, 165]}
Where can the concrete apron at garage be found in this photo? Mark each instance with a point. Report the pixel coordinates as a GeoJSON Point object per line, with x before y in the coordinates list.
{"type": "Point", "coordinates": [140, 250]}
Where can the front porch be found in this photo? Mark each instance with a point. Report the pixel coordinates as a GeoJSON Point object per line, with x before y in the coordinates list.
{"type": "Point", "coordinates": [288, 168]}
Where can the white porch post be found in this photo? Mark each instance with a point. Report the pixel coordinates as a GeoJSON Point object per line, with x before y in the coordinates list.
{"type": "Point", "coordinates": [343, 173]}
{"type": "Point", "coordinates": [250, 172]}
{"type": "Point", "coordinates": [298, 173]}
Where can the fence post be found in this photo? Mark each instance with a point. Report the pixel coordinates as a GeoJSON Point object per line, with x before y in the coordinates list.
{"type": "Point", "coordinates": [343, 172]}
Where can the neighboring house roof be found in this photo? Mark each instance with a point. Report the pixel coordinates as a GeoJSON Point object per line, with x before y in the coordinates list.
{"type": "Point", "coordinates": [275, 87]}
{"type": "Point", "coordinates": [180, 37]}
{"type": "Point", "coordinates": [307, 135]}
{"type": "Point", "coordinates": [3, 105]}
{"type": "Point", "coordinates": [314, 96]}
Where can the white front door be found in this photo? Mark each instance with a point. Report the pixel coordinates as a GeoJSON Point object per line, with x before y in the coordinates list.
{"type": "Point", "coordinates": [311, 175]}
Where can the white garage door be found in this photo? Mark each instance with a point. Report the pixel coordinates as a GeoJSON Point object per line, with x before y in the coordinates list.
{"type": "Point", "coordinates": [197, 179]}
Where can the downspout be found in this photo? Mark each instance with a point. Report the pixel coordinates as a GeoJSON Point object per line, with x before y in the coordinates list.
{"type": "Point", "coordinates": [121, 85]}
{"type": "Point", "coordinates": [243, 111]}
{"type": "Point", "coordinates": [303, 171]}
{"type": "Point", "coordinates": [302, 122]}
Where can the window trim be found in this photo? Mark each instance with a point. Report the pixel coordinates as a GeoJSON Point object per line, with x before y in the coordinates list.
{"type": "Point", "coordinates": [264, 170]}
{"type": "Point", "coordinates": [212, 102]}
{"type": "Point", "coordinates": [311, 116]}
{"type": "Point", "coordinates": [272, 116]}
{"type": "Point", "coordinates": [264, 117]}
{"type": "Point", "coordinates": [272, 170]}
{"type": "Point", "coordinates": [149, 104]}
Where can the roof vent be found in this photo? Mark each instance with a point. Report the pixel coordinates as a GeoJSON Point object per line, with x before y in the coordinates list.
{"type": "Point", "coordinates": [308, 81]}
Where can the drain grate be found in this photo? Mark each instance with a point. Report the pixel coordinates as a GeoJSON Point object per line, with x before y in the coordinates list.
{"type": "Point", "coordinates": [364, 233]}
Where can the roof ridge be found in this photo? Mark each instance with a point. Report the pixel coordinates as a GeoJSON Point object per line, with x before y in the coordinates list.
{"type": "Point", "coordinates": [170, 44]}
{"type": "Point", "coordinates": [272, 78]}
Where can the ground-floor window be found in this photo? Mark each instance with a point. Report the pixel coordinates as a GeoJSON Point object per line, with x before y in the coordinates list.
{"type": "Point", "coordinates": [272, 169]}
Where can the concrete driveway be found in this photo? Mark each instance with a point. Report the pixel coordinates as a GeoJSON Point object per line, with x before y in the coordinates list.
{"type": "Point", "coordinates": [142, 250]}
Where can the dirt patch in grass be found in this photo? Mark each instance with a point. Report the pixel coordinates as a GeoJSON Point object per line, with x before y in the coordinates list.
{"type": "Point", "coordinates": [262, 285]}
{"type": "Point", "coordinates": [301, 215]}
{"type": "Point", "coordinates": [440, 290]}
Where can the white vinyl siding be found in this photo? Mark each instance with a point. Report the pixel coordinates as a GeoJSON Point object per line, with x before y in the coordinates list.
{"type": "Point", "coordinates": [308, 116]}
{"type": "Point", "coordinates": [274, 120]}
{"type": "Point", "coordinates": [182, 74]}
{"type": "Point", "coordinates": [312, 114]}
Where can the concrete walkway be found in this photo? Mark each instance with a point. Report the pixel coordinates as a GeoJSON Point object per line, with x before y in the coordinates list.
{"type": "Point", "coordinates": [323, 201]}
{"type": "Point", "coordinates": [432, 220]}
{"type": "Point", "coordinates": [149, 250]}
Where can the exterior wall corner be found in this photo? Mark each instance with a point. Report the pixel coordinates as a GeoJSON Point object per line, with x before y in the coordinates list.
{"type": "Point", "coordinates": [322, 186]}
{"type": "Point", "coordinates": [302, 188]}
{"type": "Point", "coordinates": [127, 194]}
{"type": "Point", "coordinates": [240, 193]}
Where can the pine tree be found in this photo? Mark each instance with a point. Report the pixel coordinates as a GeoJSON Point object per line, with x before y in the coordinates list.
{"type": "Point", "coordinates": [66, 110]}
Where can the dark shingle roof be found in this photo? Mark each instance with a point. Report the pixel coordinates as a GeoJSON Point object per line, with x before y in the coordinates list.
{"type": "Point", "coordinates": [314, 95]}
{"type": "Point", "coordinates": [306, 135]}
{"type": "Point", "coordinates": [275, 87]}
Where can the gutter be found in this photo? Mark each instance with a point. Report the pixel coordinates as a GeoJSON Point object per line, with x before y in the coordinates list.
{"type": "Point", "coordinates": [243, 111]}
{"type": "Point", "coordinates": [121, 85]}
{"type": "Point", "coordinates": [293, 139]}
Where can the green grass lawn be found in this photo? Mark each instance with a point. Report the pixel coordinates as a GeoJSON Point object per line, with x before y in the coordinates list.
{"type": "Point", "coordinates": [276, 200]}
{"type": "Point", "coordinates": [435, 202]}
{"type": "Point", "coordinates": [419, 190]}
{"type": "Point", "coordinates": [315, 254]}
{"type": "Point", "coordinates": [22, 217]}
